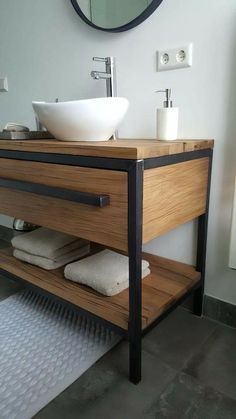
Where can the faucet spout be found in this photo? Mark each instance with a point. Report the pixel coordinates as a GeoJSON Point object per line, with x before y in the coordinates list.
{"type": "Point", "coordinates": [97, 75]}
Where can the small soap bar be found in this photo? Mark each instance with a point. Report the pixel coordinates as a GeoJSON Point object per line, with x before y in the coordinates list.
{"type": "Point", "coordinates": [25, 135]}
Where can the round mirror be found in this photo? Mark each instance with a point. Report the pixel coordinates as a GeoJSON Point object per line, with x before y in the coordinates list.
{"type": "Point", "coordinates": [115, 15]}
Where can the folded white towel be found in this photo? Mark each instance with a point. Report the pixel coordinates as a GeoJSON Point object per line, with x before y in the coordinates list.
{"type": "Point", "coordinates": [107, 272]}
{"type": "Point", "coordinates": [49, 264]}
{"type": "Point", "coordinates": [47, 243]}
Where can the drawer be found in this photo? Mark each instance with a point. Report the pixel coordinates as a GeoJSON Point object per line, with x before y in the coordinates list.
{"type": "Point", "coordinates": [102, 217]}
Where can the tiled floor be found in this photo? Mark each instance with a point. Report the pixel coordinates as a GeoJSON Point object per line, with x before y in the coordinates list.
{"type": "Point", "coordinates": [189, 371]}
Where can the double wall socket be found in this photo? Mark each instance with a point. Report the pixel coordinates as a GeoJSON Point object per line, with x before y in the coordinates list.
{"type": "Point", "coordinates": [171, 59]}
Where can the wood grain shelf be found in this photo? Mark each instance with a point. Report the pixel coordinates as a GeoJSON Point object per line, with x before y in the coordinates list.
{"type": "Point", "coordinates": [169, 281]}
{"type": "Point", "coordinates": [120, 149]}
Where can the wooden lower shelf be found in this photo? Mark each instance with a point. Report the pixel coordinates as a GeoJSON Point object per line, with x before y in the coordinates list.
{"type": "Point", "coordinates": [168, 282]}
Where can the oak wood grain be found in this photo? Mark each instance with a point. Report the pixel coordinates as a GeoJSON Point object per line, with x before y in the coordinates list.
{"type": "Point", "coordinates": [173, 195]}
{"type": "Point", "coordinates": [121, 148]}
{"type": "Point", "coordinates": [77, 178]}
{"type": "Point", "coordinates": [168, 281]}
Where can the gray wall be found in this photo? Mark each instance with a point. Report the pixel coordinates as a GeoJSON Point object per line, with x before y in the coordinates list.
{"type": "Point", "coordinates": [46, 52]}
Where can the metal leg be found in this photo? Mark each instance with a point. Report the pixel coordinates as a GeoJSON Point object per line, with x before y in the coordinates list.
{"type": "Point", "coordinates": [201, 262]}
{"type": "Point", "coordinates": [135, 256]}
{"type": "Point", "coordinates": [201, 249]}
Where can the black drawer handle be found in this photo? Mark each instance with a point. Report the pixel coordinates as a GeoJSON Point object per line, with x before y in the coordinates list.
{"type": "Point", "coordinates": [97, 200]}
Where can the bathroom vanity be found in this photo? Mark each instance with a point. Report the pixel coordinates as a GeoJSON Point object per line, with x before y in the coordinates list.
{"type": "Point", "coordinates": [118, 194]}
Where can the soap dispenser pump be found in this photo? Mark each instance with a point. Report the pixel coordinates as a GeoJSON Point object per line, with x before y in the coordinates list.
{"type": "Point", "coordinates": [167, 118]}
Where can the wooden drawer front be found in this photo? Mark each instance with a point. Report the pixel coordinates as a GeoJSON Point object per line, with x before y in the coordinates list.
{"type": "Point", "coordinates": [173, 195]}
{"type": "Point", "coordinates": [107, 225]}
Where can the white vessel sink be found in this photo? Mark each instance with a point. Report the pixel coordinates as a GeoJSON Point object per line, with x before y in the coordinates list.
{"type": "Point", "coordinates": [82, 120]}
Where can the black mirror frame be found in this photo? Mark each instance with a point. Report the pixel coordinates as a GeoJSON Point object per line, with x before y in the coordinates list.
{"type": "Point", "coordinates": [135, 22]}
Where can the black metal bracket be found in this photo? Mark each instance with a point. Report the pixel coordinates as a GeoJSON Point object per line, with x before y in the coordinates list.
{"type": "Point", "coordinates": [61, 193]}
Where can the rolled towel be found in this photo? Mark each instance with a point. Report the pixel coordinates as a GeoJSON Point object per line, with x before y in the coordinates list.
{"type": "Point", "coordinates": [49, 264]}
{"type": "Point", "coordinates": [47, 243]}
{"type": "Point", "coordinates": [107, 272]}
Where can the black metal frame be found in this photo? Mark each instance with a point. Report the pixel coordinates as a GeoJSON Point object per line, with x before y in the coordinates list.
{"type": "Point", "coordinates": [135, 170]}
{"type": "Point", "coordinates": [108, 163]}
{"type": "Point", "coordinates": [135, 22]}
{"type": "Point", "coordinates": [202, 247]}
{"type": "Point", "coordinates": [135, 202]}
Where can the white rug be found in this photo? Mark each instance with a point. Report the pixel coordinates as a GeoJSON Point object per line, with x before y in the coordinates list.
{"type": "Point", "coordinates": [43, 349]}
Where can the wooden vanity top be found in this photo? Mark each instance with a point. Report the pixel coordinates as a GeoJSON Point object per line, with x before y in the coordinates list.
{"type": "Point", "coordinates": [121, 148]}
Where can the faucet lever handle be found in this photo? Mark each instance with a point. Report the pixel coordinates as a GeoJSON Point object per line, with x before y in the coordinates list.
{"type": "Point", "coordinates": [103, 60]}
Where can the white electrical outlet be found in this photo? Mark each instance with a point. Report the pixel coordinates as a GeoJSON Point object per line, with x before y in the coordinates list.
{"type": "Point", "coordinates": [171, 59]}
{"type": "Point", "coordinates": [3, 85]}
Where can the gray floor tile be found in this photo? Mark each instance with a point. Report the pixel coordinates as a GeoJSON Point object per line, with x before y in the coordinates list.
{"type": "Point", "coordinates": [6, 233]}
{"type": "Point", "coordinates": [177, 337]}
{"type": "Point", "coordinates": [8, 287]}
{"type": "Point", "coordinates": [3, 244]}
{"type": "Point", "coordinates": [105, 392]}
{"type": "Point", "coordinates": [186, 398]}
{"type": "Point", "coordinates": [220, 311]}
{"type": "Point", "coordinates": [215, 362]}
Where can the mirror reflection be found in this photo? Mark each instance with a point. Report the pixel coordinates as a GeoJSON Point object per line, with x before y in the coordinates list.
{"type": "Point", "coordinates": [112, 13]}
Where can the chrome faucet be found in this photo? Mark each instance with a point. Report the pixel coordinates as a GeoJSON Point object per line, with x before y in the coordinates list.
{"type": "Point", "coordinates": [109, 75]}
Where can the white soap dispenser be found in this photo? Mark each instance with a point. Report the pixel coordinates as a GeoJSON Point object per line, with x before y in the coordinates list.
{"type": "Point", "coordinates": [167, 119]}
